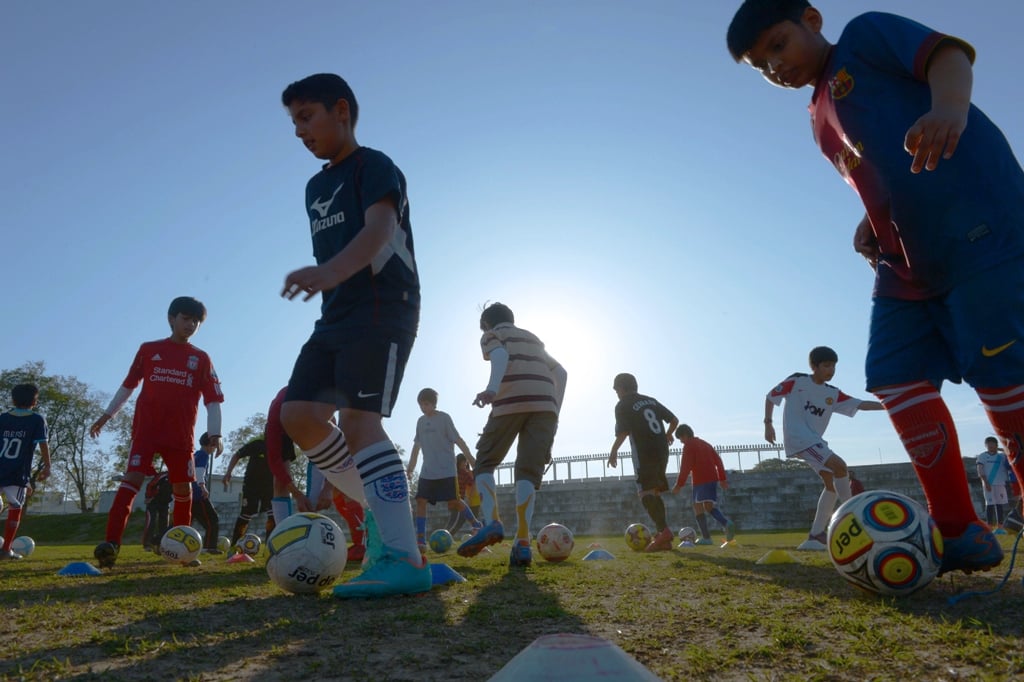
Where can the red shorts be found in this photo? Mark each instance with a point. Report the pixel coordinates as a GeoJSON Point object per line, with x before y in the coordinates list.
{"type": "Point", "coordinates": [181, 467]}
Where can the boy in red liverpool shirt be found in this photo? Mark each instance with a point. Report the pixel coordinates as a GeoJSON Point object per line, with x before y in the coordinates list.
{"type": "Point", "coordinates": [174, 375]}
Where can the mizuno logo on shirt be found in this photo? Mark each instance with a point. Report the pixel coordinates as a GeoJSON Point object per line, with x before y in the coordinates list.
{"type": "Point", "coordinates": [156, 358]}
{"type": "Point", "coordinates": [992, 352]}
{"type": "Point", "coordinates": [322, 207]}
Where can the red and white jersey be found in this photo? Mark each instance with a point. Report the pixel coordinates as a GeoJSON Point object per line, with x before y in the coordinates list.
{"type": "Point", "coordinates": [808, 409]}
{"type": "Point", "coordinates": [173, 377]}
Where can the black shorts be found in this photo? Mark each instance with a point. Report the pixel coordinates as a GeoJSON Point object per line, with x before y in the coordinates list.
{"type": "Point", "coordinates": [358, 369]}
{"type": "Point", "coordinates": [437, 489]}
{"type": "Point", "coordinates": [256, 498]}
{"type": "Point", "coordinates": [650, 472]}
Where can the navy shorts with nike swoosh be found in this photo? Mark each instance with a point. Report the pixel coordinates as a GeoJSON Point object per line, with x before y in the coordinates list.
{"type": "Point", "coordinates": [974, 333]}
{"type": "Point", "coordinates": [359, 369]}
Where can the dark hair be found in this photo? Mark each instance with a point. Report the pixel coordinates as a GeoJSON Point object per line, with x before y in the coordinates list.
{"type": "Point", "coordinates": [822, 354]}
{"type": "Point", "coordinates": [204, 439]}
{"type": "Point", "coordinates": [187, 306]}
{"type": "Point", "coordinates": [24, 395]}
{"type": "Point", "coordinates": [684, 431]}
{"type": "Point", "coordinates": [427, 395]}
{"type": "Point", "coordinates": [495, 314]}
{"type": "Point", "coordinates": [991, 439]}
{"type": "Point", "coordinates": [625, 382]}
{"type": "Point", "coordinates": [325, 88]}
{"type": "Point", "coordinates": [754, 17]}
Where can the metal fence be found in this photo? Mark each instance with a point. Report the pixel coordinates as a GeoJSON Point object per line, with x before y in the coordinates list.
{"type": "Point", "coordinates": [582, 467]}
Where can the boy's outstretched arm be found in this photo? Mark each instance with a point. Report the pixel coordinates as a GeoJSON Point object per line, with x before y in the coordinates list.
{"type": "Point", "coordinates": [870, 406]}
{"type": "Point", "coordinates": [937, 133]}
{"type": "Point", "coordinates": [769, 430]}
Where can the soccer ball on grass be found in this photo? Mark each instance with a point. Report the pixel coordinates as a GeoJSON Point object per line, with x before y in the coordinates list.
{"type": "Point", "coordinates": [555, 542]}
{"type": "Point", "coordinates": [687, 534]}
{"type": "Point", "coordinates": [250, 544]}
{"type": "Point", "coordinates": [441, 541]}
{"type": "Point", "coordinates": [638, 536]}
{"type": "Point", "coordinates": [308, 552]}
{"type": "Point", "coordinates": [884, 542]}
{"type": "Point", "coordinates": [181, 544]}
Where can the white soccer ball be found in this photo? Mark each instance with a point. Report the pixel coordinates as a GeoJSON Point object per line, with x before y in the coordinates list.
{"type": "Point", "coordinates": [250, 544]}
{"type": "Point", "coordinates": [555, 542]}
{"type": "Point", "coordinates": [638, 536]}
{"type": "Point", "coordinates": [308, 552]}
{"type": "Point", "coordinates": [181, 544]}
{"type": "Point", "coordinates": [884, 542]}
{"type": "Point", "coordinates": [687, 534]}
{"type": "Point", "coordinates": [223, 544]}
{"type": "Point", "coordinates": [23, 545]}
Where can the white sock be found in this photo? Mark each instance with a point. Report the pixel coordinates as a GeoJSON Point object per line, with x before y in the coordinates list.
{"type": "Point", "coordinates": [526, 495]}
{"type": "Point", "coordinates": [826, 503]}
{"type": "Point", "coordinates": [332, 458]}
{"type": "Point", "coordinates": [488, 498]}
{"type": "Point", "coordinates": [282, 507]}
{"type": "Point", "coordinates": [386, 491]}
{"type": "Point", "coordinates": [843, 488]}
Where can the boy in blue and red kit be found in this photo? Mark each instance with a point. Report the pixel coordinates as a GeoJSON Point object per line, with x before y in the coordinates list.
{"type": "Point", "coordinates": [174, 375]}
{"type": "Point", "coordinates": [354, 361]}
{"type": "Point", "coordinates": [702, 460]}
{"type": "Point", "coordinates": [21, 430]}
{"type": "Point", "coordinates": [947, 245]}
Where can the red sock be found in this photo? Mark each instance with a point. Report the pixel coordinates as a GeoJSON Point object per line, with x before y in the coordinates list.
{"type": "Point", "coordinates": [352, 512]}
{"type": "Point", "coordinates": [11, 529]}
{"type": "Point", "coordinates": [1005, 407]}
{"type": "Point", "coordinates": [117, 517]}
{"type": "Point", "coordinates": [183, 508]}
{"type": "Point", "coordinates": [926, 429]}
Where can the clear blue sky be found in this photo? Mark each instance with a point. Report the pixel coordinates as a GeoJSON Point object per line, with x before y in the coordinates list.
{"type": "Point", "coordinates": [640, 201]}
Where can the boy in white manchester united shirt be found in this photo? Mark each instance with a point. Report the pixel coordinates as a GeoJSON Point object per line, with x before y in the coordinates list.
{"type": "Point", "coordinates": [809, 404]}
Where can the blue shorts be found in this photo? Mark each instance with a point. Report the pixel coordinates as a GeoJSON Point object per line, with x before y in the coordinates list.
{"type": "Point", "coordinates": [358, 369]}
{"type": "Point", "coordinates": [706, 492]}
{"type": "Point", "coordinates": [974, 333]}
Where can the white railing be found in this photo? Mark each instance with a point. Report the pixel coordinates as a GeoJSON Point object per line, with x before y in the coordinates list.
{"type": "Point", "coordinates": [582, 467]}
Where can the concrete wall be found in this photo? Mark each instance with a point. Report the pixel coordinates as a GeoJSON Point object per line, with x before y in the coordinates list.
{"type": "Point", "coordinates": [755, 501]}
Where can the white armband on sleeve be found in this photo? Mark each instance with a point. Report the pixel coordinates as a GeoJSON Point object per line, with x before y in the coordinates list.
{"type": "Point", "coordinates": [201, 475]}
{"type": "Point", "coordinates": [118, 401]}
{"type": "Point", "coordinates": [499, 363]}
{"type": "Point", "coordinates": [213, 419]}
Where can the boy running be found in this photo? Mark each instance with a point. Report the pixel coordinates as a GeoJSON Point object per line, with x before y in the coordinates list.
{"type": "Point", "coordinates": [642, 419]}
{"type": "Point", "coordinates": [525, 390]}
{"type": "Point", "coordinates": [810, 403]}
{"type": "Point", "coordinates": [701, 458]}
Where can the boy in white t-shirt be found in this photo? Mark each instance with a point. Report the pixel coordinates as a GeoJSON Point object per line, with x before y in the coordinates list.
{"type": "Point", "coordinates": [809, 404]}
{"type": "Point", "coordinates": [994, 470]}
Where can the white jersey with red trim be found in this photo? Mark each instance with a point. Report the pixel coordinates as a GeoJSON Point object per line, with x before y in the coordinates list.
{"type": "Point", "coordinates": [808, 409]}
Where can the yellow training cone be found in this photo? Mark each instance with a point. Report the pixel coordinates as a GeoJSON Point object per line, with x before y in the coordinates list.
{"type": "Point", "coordinates": [777, 556]}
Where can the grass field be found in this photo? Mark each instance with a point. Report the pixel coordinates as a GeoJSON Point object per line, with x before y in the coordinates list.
{"type": "Point", "coordinates": [691, 614]}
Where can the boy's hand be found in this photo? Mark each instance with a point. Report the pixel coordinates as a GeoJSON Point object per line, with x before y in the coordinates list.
{"type": "Point", "coordinates": [309, 280]}
{"type": "Point", "coordinates": [935, 135]}
{"type": "Point", "coordinates": [769, 433]}
{"type": "Point", "coordinates": [98, 425]}
{"type": "Point", "coordinates": [865, 243]}
{"type": "Point", "coordinates": [484, 398]}
{"type": "Point", "coordinates": [613, 460]}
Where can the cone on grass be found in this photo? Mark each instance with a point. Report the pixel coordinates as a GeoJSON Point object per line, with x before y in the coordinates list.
{"type": "Point", "coordinates": [571, 658]}
{"type": "Point", "coordinates": [776, 556]}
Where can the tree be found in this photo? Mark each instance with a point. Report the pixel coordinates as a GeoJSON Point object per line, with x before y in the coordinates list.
{"type": "Point", "coordinates": [69, 406]}
{"type": "Point", "coordinates": [779, 464]}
